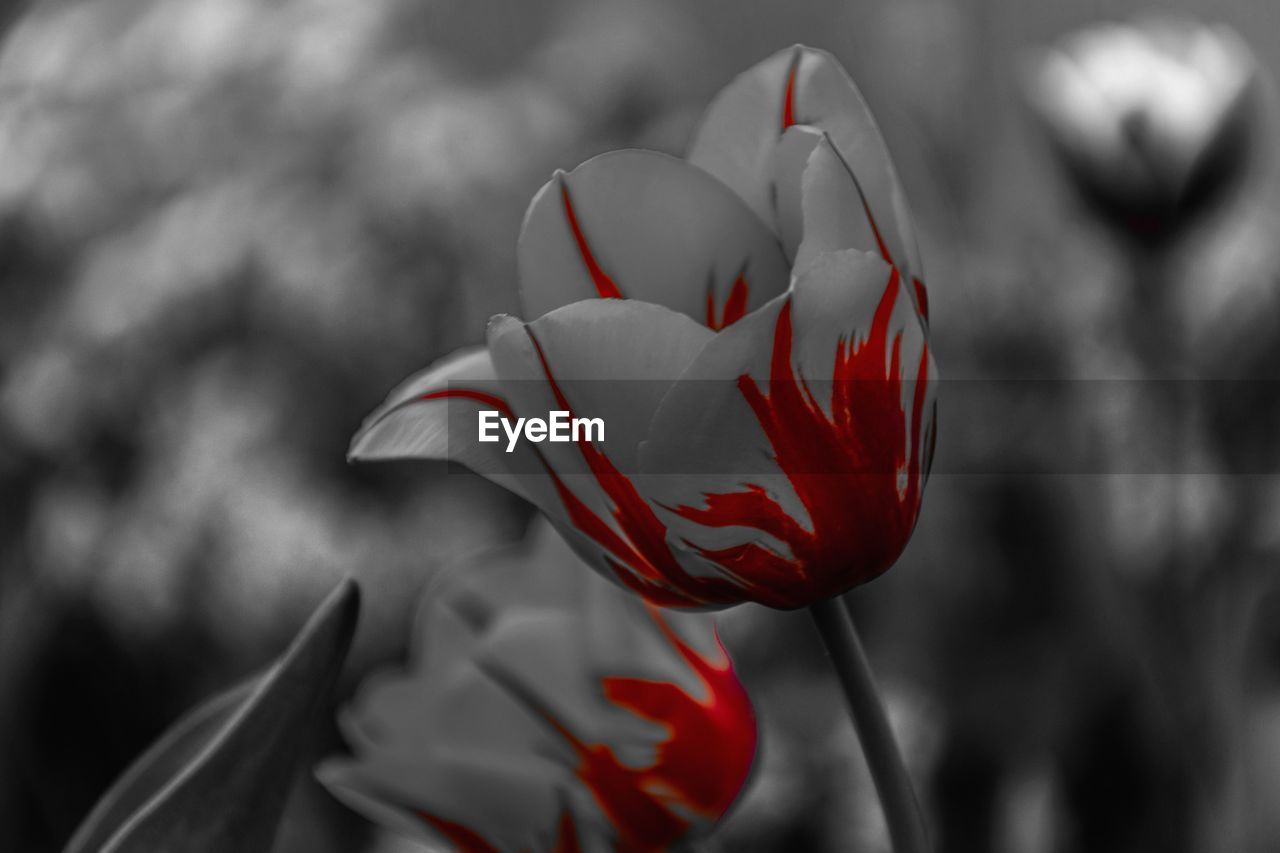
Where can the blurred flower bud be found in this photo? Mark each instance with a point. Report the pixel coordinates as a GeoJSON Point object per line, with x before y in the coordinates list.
{"type": "Point", "coordinates": [548, 709]}
{"type": "Point", "coordinates": [1151, 119]}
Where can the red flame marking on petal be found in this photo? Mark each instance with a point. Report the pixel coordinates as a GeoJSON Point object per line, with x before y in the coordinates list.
{"type": "Point", "coordinates": [859, 515]}
{"type": "Point", "coordinates": [631, 564]}
{"type": "Point", "coordinates": [699, 767]}
{"type": "Point", "coordinates": [567, 835]}
{"type": "Point", "coordinates": [875, 229]}
{"type": "Point", "coordinates": [711, 742]}
{"type": "Point", "coordinates": [789, 97]}
{"type": "Point", "coordinates": [637, 552]}
{"type": "Point", "coordinates": [922, 297]}
{"type": "Point", "coordinates": [735, 306]}
{"type": "Point", "coordinates": [605, 286]}
{"type": "Point", "coordinates": [466, 840]}
{"type": "Point", "coordinates": [482, 397]}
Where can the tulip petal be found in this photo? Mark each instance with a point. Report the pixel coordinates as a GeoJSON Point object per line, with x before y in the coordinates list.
{"type": "Point", "coordinates": [614, 360]}
{"type": "Point", "coordinates": [838, 495]}
{"type": "Point", "coordinates": [740, 133]}
{"type": "Point", "coordinates": [617, 632]}
{"type": "Point", "coordinates": [675, 724]}
{"type": "Point", "coordinates": [646, 226]}
{"type": "Point", "coordinates": [435, 415]}
{"type": "Point", "coordinates": [412, 798]}
{"type": "Point", "coordinates": [552, 723]}
{"type": "Point", "coordinates": [437, 745]}
{"type": "Point", "coordinates": [835, 211]}
{"type": "Point", "coordinates": [790, 159]}
{"type": "Point", "coordinates": [434, 748]}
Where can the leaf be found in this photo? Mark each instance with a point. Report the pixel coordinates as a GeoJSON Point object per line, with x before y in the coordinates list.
{"type": "Point", "coordinates": [218, 779]}
{"type": "Point", "coordinates": [163, 760]}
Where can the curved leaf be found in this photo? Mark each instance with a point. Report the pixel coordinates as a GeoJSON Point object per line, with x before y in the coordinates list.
{"type": "Point", "coordinates": [219, 778]}
{"type": "Point", "coordinates": [163, 760]}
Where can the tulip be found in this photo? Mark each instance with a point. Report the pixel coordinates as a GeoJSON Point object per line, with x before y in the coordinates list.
{"type": "Point", "coordinates": [1154, 122]}
{"type": "Point", "coordinates": [546, 709]}
{"type": "Point", "coordinates": [1152, 119]}
{"type": "Point", "coordinates": [756, 309]}
{"type": "Point", "coordinates": [750, 325]}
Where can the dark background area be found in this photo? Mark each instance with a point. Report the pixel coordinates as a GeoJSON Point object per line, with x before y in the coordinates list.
{"type": "Point", "coordinates": [228, 227]}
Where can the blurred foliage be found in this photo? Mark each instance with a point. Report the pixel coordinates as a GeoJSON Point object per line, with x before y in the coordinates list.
{"type": "Point", "coordinates": [227, 228]}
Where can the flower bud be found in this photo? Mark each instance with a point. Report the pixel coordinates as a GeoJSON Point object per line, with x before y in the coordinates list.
{"type": "Point", "coordinates": [547, 709]}
{"type": "Point", "coordinates": [1152, 120]}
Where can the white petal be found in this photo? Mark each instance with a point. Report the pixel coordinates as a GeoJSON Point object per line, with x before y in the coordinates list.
{"type": "Point", "coordinates": [646, 226]}
{"type": "Point", "coordinates": [435, 415]}
{"type": "Point", "coordinates": [611, 359]}
{"type": "Point", "coordinates": [614, 360]}
{"type": "Point", "coordinates": [835, 209]}
{"type": "Point", "coordinates": [742, 128]}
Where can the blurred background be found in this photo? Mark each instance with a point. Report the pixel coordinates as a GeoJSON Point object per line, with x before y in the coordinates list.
{"type": "Point", "coordinates": [228, 227]}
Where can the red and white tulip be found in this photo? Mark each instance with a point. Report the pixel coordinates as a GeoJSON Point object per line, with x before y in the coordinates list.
{"type": "Point", "coordinates": [549, 710]}
{"type": "Point", "coordinates": [756, 310]}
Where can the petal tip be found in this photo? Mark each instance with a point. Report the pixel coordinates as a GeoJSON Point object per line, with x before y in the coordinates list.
{"type": "Point", "coordinates": [357, 450]}
{"type": "Point", "coordinates": [500, 322]}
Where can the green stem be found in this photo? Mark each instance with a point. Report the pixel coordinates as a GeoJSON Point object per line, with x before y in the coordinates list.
{"type": "Point", "coordinates": [893, 785]}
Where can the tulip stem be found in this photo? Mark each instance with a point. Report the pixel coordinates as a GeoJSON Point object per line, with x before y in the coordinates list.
{"type": "Point", "coordinates": [893, 784]}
